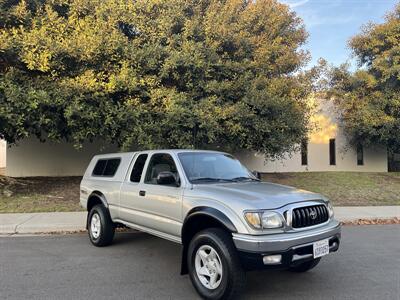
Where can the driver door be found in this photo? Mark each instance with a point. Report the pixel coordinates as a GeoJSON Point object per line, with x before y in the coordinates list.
{"type": "Point", "coordinates": [153, 205]}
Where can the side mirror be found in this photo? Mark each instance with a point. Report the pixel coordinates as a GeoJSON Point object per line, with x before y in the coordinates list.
{"type": "Point", "coordinates": [257, 174]}
{"type": "Point", "coordinates": [166, 178]}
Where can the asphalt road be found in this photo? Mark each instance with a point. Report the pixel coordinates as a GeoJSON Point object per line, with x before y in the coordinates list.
{"type": "Point", "coordinates": [139, 266]}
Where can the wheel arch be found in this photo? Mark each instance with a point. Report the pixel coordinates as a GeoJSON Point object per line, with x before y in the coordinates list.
{"type": "Point", "coordinates": [200, 218]}
{"type": "Point", "coordinates": [96, 197]}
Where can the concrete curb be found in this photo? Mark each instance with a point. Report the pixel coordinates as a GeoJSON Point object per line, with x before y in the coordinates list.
{"type": "Point", "coordinates": [42, 222]}
{"type": "Point", "coordinates": [350, 213]}
{"type": "Point", "coordinates": [59, 222]}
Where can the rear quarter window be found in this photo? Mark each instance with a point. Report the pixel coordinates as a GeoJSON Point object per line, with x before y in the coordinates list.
{"type": "Point", "coordinates": [106, 167]}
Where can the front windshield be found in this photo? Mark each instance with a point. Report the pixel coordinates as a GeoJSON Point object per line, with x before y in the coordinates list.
{"type": "Point", "coordinates": [205, 167]}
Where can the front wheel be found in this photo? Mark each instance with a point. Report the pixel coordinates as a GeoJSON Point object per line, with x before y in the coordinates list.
{"type": "Point", "coordinates": [214, 266]}
{"type": "Point", "coordinates": [100, 226]}
{"type": "Point", "coordinates": [305, 266]}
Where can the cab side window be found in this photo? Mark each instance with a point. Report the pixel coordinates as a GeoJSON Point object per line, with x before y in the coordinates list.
{"type": "Point", "coordinates": [160, 162]}
{"type": "Point", "coordinates": [138, 167]}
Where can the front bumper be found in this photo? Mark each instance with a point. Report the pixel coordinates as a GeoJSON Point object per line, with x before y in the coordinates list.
{"type": "Point", "coordinates": [295, 247]}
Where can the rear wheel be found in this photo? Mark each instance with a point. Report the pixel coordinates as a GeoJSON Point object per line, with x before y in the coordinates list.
{"type": "Point", "coordinates": [214, 266]}
{"type": "Point", "coordinates": [100, 226]}
{"type": "Point", "coordinates": [305, 266]}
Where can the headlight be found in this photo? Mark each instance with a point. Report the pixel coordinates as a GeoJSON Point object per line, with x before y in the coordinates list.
{"type": "Point", "coordinates": [271, 219]}
{"type": "Point", "coordinates": [266, 220]}
{"type": "Point", "coordinates": [330, 210]}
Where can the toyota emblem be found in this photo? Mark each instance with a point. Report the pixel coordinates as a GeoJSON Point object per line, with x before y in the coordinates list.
{"type": "Point", "coordinates": [313, 215]}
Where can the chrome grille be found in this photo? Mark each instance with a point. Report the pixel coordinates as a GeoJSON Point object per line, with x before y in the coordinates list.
{"type": "Point", "coordinates": [309, 216]}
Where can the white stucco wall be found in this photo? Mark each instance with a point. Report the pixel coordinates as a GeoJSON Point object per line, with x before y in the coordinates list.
{"type": "Point", "coordinates": [375, 160]}
{"type": "Point", "coordinates": [33, 158]}
{"type": "Point", "coordinates": [3, 154]}
{"type": "Point", "coordinates": [327, 127]}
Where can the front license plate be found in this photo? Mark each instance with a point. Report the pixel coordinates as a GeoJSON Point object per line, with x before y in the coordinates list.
{"type": "Point", "coordinates": [321, 248]}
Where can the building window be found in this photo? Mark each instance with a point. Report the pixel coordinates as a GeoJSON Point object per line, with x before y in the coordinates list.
{"type": "Point", "coordinates": [304, 153]}
{"type": "Point", "coordinates": [360, 155]}
{"type": "Point", "coordinates": [332, 152]}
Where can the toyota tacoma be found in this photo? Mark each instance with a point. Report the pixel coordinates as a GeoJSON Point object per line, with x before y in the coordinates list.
{"type": "Point", "coordinates": [226, 219]}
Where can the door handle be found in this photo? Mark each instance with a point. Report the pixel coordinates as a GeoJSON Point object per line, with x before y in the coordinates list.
{"type": "Point", "coordinates": [142, 193]}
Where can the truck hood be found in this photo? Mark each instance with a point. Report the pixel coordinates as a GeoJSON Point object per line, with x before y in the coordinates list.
{"type": "Point", "coordinates": [254, 195]}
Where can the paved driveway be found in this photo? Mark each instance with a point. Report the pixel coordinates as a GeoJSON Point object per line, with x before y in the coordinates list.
{"type": "Point", "coordinates": [139, 266]}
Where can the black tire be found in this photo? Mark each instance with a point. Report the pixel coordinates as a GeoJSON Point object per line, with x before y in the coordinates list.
{"type": "Point", "coordinates": [305, 266]}
{"type": "Point", "coordinates": [107, 227]}
{"type": "Point", "coordinates": [233, 277]}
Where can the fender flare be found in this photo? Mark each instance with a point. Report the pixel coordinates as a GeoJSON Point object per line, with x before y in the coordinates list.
{"type": "Point", "coordinates": [100, 196]}
{"type": "Point", "coordinates": [209, 212]}
{"type": "Point", "coordinates": [202, 211]}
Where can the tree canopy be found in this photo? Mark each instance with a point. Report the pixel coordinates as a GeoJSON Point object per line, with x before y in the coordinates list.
{"type": "Point", "coordinates": [157, 73]}
{"type": "Point", "coordinates": [369, 98]}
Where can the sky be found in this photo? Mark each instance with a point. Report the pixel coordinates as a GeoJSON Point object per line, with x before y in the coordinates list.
{"type": "Point", "coordinates": [331, 23]}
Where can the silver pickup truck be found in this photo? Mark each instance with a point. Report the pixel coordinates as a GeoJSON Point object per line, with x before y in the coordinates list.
{"type": "Point", "coordinates": [225, 218]}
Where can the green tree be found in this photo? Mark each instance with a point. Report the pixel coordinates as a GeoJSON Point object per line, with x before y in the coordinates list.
{"type": "Point", "coordinates": [157, 73]}
{"type": "Point", "coordinates": [369, 98]}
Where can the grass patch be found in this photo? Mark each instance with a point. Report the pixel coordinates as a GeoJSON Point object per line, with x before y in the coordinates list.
{"type": "Point", "coordinates": [39, 194]}
{"type": "Point", "coordinates": [345, 188]}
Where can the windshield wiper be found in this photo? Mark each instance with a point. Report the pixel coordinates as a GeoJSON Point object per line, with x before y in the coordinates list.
{"type": "Point", "coordinates": [242, 178]}
{"type": "Point", "coordinates": [202, 179]}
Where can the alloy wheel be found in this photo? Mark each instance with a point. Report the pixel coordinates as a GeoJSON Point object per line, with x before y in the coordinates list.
{"type": "Point", "coordinates": [208, 267]}
{"type": "Point", "coordinates": [95, 225]}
